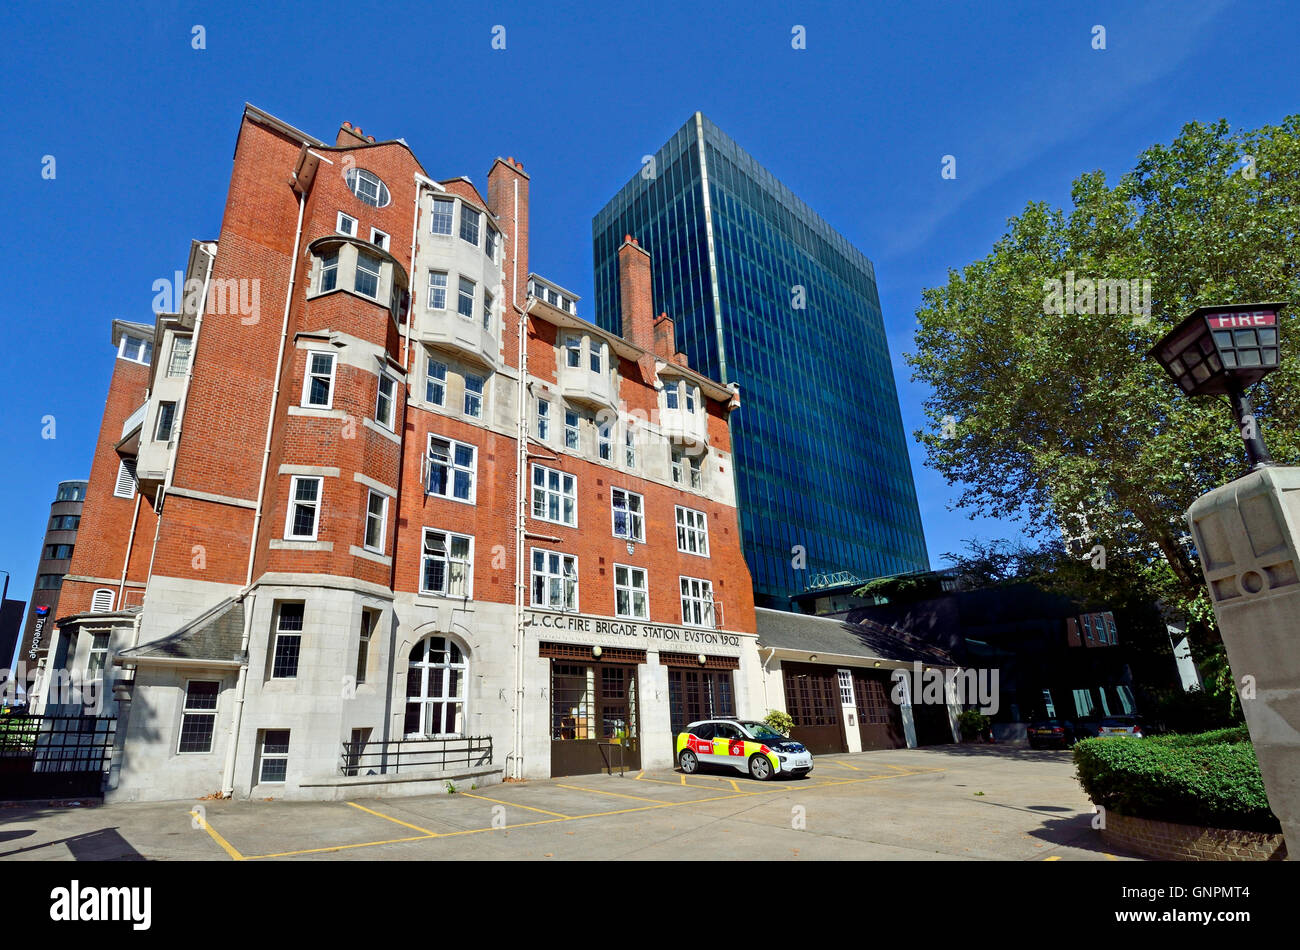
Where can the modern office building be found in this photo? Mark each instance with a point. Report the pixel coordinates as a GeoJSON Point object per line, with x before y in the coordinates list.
{"type": "Point", "coordinates": [376, 510]}
{"type": "Point", "coordinates": [765, 293]}
{"type": "Point", "coordinates": [56, 555]}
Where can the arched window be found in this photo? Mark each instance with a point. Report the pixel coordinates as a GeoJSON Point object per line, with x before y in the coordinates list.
{"type": "Point", "coordinates": [435, 689]}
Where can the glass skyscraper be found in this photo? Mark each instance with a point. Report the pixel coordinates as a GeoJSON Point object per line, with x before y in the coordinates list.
{"type": "Point", "coordinates": [765, 293]}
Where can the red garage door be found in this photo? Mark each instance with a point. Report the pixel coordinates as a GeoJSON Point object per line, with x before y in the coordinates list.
{"type": "Point", "coordinates": [812, 699]}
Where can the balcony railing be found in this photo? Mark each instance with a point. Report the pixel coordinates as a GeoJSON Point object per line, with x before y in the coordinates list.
{"type": "Point", "coordinates": [395, 756]}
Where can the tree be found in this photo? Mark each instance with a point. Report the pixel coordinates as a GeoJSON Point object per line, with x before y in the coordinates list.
{"type": "Point", "coordinates": [1058, 418]}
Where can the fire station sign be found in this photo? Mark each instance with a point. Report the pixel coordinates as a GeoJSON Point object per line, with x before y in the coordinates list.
{"type": "Point", "coordinates": [643, 635]}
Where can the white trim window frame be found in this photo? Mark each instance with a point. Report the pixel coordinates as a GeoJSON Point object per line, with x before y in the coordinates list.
{"type": "Point", "coordinates": [631, 592]}
{"type": "Point", "coordinates": [469, 224]}
{"type": "Point", "coordinates": [386, 402]}
{"type": "Point", "coordinates": [488, 303]}
{"type": "Point", "coordinates": [367, 187]}
{"type": "Point", "coordinates": [97, 657]}
{"type": "Point", "coordinates": [573, 352]}
{"type": "Point", "coordinates": [328, 277]}
{"type": "Point", "coordinates": [490, 244]}
{"type": "Point", "coordinates": [571, 430]}
{"type": "Point", "coordinates": [442, 216]}
{"type": "Point", "coordinates": [303, 504]}
{"type": "Point", "coordinates": [321, 368]}
{"type": "Point", "coordinates": [455, 467]}
{"type": "Point", "coordinates": [134, 349]}
{"type": "Point", "coordinates": [438, 703]}
{"type": "Point", "coordinates": [692, 531]}
{"type": "Point", "coordinates": [553, 580]}
{"type": "Point", "coordinates": [376, 527]}
{"type": "Point", "coordinates": [200, 708]}
{"type": "Point", "coordinates": [437, 290]}
{"type": "Point", "coordinates": [435, 382]}
{"type": "Point", "coordinates": [178, 361]}
{"type": "Point", "coordinates": [346, 224]}
{"type": "Point", "coordinates": [629, 445]}
{"type": "Point", "coordinates": [273, 751]}
{"type": "Point", "coordinates": [627, 514]}
{"type": "Point", "coordinates": [370, 270]}
{"type": "Point", "coordinates": [475, 386]}
{"type": "Point", "coordinates": [379, 238]}
{"type": "Point", "coordinates": [465, 291]}
{"type": "Point", "coordinates": [697, 602]}
{"type": "Point", "coordinates": [543, 419]}
{"type": "Point", "coordinates": [554, 496]}
{"type": "Point", "coordinates": [286, 645]}
{"type": "Point", "coordinates": [447, 564]}
{"type": "Point", "coordinates": [605, 441]}
{"type": "Point", "coordinates": [672, 394]}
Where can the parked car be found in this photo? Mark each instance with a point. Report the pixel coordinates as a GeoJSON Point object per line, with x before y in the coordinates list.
{"type": "Point", "coordinates": [753, 747]}
{"type": "Point", "coordinates": [1050, 732]}
{"type": "Point", "coordinates": [1120, 726]}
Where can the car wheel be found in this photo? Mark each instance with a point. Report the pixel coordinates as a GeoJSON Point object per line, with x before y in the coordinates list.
{"type": "Point", "coordinates": [759, 767]}
{"type": "Point", "coordinates": [689, 762]}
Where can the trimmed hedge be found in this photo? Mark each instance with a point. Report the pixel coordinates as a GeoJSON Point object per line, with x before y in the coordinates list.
{"type": "Point", "coordinates": [1210, 779]}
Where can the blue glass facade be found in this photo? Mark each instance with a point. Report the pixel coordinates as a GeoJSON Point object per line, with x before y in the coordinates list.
{"type": "Point", "coordinates": [821, 460]}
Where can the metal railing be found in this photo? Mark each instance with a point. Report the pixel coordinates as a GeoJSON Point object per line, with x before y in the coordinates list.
{"type": "Point", "coordinates": [56, 743]}
{"type": "Point", "coordinates": [377, 757]}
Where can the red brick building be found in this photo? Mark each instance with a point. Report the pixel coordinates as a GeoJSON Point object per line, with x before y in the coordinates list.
{"type": "Point", "coordinates": [370, 487]}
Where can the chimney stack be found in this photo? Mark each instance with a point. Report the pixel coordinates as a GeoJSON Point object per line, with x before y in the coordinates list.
{"type": "Point", "coordinates": [635, 296]}
{"type": "Point", "coordinates": [665, 338]}
{"type": "Point", "coordinates": [349, 136]}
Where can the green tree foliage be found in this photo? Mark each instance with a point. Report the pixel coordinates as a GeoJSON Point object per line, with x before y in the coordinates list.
{"type": "Point", "coordinates": [1060, 418]}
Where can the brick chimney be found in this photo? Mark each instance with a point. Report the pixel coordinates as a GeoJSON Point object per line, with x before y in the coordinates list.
{"type": "Point", "coordinates": [635, 296]}
{"type": "Point", "coordinates": [349, 137]}
{"type": "Point", "coordinates": [665, 338]}
{"type": "Point", "coordinates": [512, 217]}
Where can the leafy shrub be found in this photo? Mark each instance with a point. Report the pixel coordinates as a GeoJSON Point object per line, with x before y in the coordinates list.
{"type": "Point", "coordinates": [972, 724]}
{"type": "Point", "coordinates": [1211, 779]}
{"type": "Point", "coordinates": [779, 721]}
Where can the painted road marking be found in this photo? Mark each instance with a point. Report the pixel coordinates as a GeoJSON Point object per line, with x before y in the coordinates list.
{"type": "Point", "coordinates": [226, 845]}
{"type": "Point", "coordinates": [599, 791]}
{"type": "Point", "coordinates": [497, 801]}
{"type": "Point", "coordinates": [379, 814]}
{"type": "Point", "coordinates": [556, 816]}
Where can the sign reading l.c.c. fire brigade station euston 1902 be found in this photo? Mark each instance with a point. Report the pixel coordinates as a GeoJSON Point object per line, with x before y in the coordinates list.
{"type": "Point", "coordinates": [654, 634]}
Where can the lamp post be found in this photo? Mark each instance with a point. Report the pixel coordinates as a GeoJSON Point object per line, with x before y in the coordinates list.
{"type": "Point", "coordinates": [1247, 537]}
{"type": "Point", "coordinates": [1224, 351]}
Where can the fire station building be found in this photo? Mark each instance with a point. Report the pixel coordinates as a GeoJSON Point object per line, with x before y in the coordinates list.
{"type": "Point", "coordinates": [373, 508]}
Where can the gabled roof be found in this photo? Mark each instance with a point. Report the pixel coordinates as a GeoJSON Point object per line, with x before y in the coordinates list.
{"type": "Point", "coordinates": [213, 636]}
{"type": "Point", "coordinates": [832, 636]}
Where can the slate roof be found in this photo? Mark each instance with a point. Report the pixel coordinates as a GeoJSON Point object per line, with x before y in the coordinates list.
{"type": "Point", "coordinates": [214, 635]}
{"type": "Point", "coordinates": [831, 635]}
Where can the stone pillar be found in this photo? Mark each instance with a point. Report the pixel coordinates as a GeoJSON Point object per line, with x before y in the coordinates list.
{"type": "Point", "coordinates": [1248, 537]}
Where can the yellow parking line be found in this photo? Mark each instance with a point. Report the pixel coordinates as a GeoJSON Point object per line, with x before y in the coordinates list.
{"type": "Point", "coordinates": [398, 821]}
{"type": "Point", "coordinates": [734, 784]}
{"type": "Point", "coordinates": [843, 765]}
{"type": "Point", "coordinates": [497, 801]}
{"type": "Point", "coordinates": [1110, 857]}
{"type": "Point", "coordinates": [556, 817]}
{"type": "Point", "coordinates": [226, 845]}
{"type": "Point", "coordinates": [1055, 857]}
{"type": "Point", "coordinates": [598, 791]}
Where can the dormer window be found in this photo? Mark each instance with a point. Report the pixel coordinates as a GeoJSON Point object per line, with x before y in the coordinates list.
{"type": "Point", "coordinates": [136, 349]}
{"type": "Point", "coordinates": [367, 187]}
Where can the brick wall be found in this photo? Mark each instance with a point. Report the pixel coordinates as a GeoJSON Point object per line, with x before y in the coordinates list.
{"type": "Point", "coordinates": [1170, 841]}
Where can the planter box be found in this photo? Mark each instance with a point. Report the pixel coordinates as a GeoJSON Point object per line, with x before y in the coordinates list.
{"type": "Point", "coordinates": [1171, 841]}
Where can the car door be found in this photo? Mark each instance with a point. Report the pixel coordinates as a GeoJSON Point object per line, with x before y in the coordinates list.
{"type": "Point", "coordinates": [700, 741]}
{"type": "Point", "coordinates": [729, 746]}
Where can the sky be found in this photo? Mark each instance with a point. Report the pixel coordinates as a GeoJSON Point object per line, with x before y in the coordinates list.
{"type": "Point", "coordinates": [141, 125]}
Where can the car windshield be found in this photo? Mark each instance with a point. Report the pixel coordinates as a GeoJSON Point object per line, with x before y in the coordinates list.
{"type": "Point", "coordinates": [761, 730]}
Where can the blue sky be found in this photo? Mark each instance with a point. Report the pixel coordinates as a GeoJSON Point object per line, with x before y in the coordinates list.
{"type": "Point", "coordinates": [142, 127]}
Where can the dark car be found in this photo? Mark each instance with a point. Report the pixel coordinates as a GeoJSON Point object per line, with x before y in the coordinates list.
{"type": "Point", "coordinates": [1050, 732]}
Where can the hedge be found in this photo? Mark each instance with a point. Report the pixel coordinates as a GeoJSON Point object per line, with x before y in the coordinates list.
{"type": "Point", "coordinates": [1210, 779]}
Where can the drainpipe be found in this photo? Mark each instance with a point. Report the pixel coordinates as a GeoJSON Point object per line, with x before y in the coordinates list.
{"type": "Point", "coordinates": [126, 558]}
{"type": "Point", "coordinates": [241, 687]}
{"type": "Point", "coordinates": [521, 466]}
{"type": "Point", "coordinates": [771, 652]}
